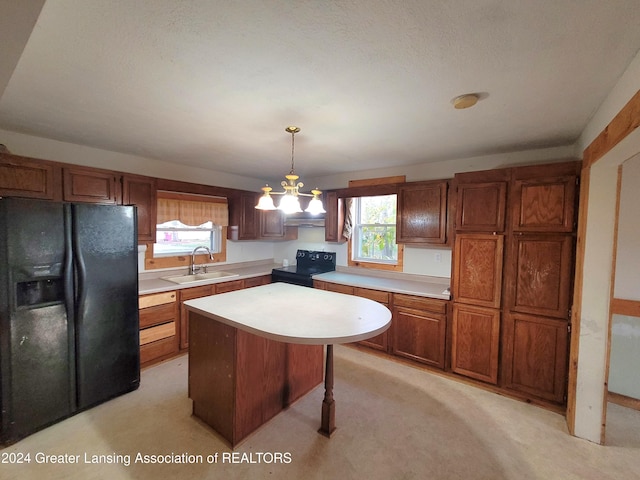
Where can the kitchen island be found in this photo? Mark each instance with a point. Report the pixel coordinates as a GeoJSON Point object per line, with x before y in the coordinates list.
{"type": "Point", "coordinates": [255, 351]}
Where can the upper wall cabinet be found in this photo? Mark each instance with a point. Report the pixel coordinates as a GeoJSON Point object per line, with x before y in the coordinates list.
{"type": "Point", "coordinates": [244, 218]}
{"type": "Point", "coordinates": [34, 178]}
{"type": "Point", "coordinates": [422, 213]}
{"type": "Point", "coordinates": [90, 185]}
{"type": "Point", "coordinates": [29, 177]}
{"type": "Point", "coordinates": [334, 218]}
{"type": "Point", "coordinates": [141, 192]}
{"type": "Point", "coordinates": [481, 201]}
{"type": "Point", "coordinates": [544, 204]}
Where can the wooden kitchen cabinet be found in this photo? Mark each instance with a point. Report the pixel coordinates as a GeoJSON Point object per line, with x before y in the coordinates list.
{"type": "Point", "coordinates": [244, 217]}
{"type": "Point", "coordinates": [231, 286]}
{"type": "Point", "coordinates": [420, 326]}
{"type": "Point", "coordinates": [141, 191]}
{"type": "Point", "coordinates": [535, 356]}
{"type": "Point", "coordinates": [481, 204]}
{"type": "Point", "coordinates": [189, 294]}
{"type": "Point", "coordinates": [91, 185]}
{"type": "Point", "coordinates": [257, 281]}
{"type": "Point", "coordinates": [334, 218]}
{"type": "Point", "coordinates": [541, 270]}
{"type": "Point", "coordinates": [422, 213]}
{"type": "Point", "coordinates": [381, 341]}
{"type": "Point", "coordinates": [475, 342]}
{"type": "Point", "coordinates": [29, 178]}
{"type": "Point", "coordinates": [544, 199]}
{"type": "Point", "coordinates": [272, 224]}
{"type": "Point", "coordinates": [159, 335]}
{"type": "Point", "coordinates": [477, 267]}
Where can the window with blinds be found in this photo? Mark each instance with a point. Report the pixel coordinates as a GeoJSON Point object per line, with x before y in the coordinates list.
{"type": "Point", "coordinates": [188, 221]}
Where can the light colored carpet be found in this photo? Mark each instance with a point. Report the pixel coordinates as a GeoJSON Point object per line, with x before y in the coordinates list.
{"type": "Point", "coordinates": [394, 422]}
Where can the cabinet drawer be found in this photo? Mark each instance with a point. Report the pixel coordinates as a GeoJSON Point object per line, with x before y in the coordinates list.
{"type": "Point", "coordinates": [420, 303]}
{"type": "Point", "coordinates": [156, 299]}
{"type": "Point", "coordinates": [196, 292]}
{"type": "Point", "coordinates": [159, 349]}
{"type": "Point", "coordinates": [377, 295]}
{"type": "Point", "coordinates": [336, 287]}
{"type": "Point", "coordinates": [158, 314]}
{"type": "Point", "coordinates": [257, 281]}
{"type": "Point", "coordinates": [229, 286]}
{"type": "Point", "coordinates": [158, 332]}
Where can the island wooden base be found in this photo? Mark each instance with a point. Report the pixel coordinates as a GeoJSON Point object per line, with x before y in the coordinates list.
{"type": "Point", "coordinates": [238, 380]}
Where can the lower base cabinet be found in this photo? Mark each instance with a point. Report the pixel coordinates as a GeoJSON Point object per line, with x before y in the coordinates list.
{"type": "Point", "coordinates": [159, 332]}
{"type": "Point", "coordinates": [535, 355]}
{"type": "Point", "coordinates": [420, 329]}
{"type": "Point", "coordinates": [475, 342]}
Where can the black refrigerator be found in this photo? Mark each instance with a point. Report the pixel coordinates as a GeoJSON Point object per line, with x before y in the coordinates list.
{"type": "Point", "coordinates": [69, 336]}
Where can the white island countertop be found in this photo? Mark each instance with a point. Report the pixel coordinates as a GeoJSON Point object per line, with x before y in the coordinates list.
{"type": "Point", "coordinates": [295, 314]}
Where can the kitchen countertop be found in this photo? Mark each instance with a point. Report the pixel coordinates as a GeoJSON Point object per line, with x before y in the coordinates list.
{"type": "Point", "coordinates": [432, 287]}
{"type": "Point", "coordinates": [341, 318]}
{"type": "Point", "coordinates": [157, 285]}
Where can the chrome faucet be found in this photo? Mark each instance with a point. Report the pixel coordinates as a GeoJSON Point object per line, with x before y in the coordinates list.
{"type": "Point", "coordinates": [193, 269]}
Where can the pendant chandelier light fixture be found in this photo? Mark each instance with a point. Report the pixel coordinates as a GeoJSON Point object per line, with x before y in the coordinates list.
{"type": "Point", "coordinates": [290, 202]}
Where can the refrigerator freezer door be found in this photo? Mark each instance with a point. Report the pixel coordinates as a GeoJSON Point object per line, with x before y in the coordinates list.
{"type": "Point", "coordinates": [36, 348]}
{"type": "Point", "coordinates": [107, 331]}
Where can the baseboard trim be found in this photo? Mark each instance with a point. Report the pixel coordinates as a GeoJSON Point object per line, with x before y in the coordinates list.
{"type": "Point", "coordinates": [623, 400]}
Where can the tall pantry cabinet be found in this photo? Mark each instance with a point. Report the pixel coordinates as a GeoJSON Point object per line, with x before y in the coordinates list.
{"type": "Point", "coordinates": [512, 277]}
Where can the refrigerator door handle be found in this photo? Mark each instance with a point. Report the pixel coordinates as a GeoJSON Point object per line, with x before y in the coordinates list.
{"type": "Point", "coordinates": [80, 272]}
{"type": "Point", "coordinates": [68, 270]}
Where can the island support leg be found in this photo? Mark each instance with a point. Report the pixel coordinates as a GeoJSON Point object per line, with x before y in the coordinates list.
{"type": "Point", "coordinates": [328, 424]}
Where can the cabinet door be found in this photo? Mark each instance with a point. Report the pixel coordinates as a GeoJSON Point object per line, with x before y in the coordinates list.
{"type": "Point", "coordinates": [334, 218]}
{"type": "Point", "coordinates": [422, 213]}
{"type": "Point", "coordinates": [477, 269]}
{"type": "Point", "coordinates": [541, 269]}
{"type": "Point", "coordinates": [89, 185]}
{"type": "Point", "coordinates": [535, 356]}
{"type": "Point", "coordinates": [249, 217]}
{"type": "Point", "coordinates": [271, 224]}
{"type": "Point", "coordinates": [189, 294]}
{"type": "Point", "coordinates": [30, 178]}
{"type": "Point", "coordinates": [544, 204]}
{"type": "Point", "coordinates": [475, 340]}
{"type": "Point", "coordinates": [481, 207]}
{"type": "Point", "coordinates": [420, 336]}
{"type": "Point", "coordinates": [141, 192]}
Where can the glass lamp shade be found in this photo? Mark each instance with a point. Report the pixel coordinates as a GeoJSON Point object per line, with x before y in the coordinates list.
{"type": "Point", "coordinates": [315, 206]}
{"type": "Point", "coordinates": [290, 204]}
{"type": "Point", "coordinates": [265, 203]}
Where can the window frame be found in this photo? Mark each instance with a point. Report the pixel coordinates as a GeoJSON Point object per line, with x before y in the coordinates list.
{"type": "Point", "coordinates": [373, 191]}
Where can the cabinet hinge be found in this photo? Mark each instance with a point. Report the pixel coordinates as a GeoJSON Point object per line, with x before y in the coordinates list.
{"type": "Point", "coordinates": [568, 328]}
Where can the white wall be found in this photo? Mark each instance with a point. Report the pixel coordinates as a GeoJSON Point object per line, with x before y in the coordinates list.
{"type": "Point", "coordinates": [47, 149]}
{"type": "Point", "coordinates": [448, 168]}
{"type": "Point", "coordinates": [624, 374]}
{"type": "Point", "coordinates": [594, 320]}
{"type": "Point", "coordinates": [627, 280]}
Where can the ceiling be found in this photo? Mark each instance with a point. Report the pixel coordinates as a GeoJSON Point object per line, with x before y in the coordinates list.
{"type": "Point", "coordinates": [213, 83]}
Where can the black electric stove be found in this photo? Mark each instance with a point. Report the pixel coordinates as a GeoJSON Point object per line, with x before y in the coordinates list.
{"type": "Point", "coordinates": [308, 263]}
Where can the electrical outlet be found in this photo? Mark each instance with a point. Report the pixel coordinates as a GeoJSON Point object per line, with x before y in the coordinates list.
{"type": "Point", "coordinates": [438, 257]}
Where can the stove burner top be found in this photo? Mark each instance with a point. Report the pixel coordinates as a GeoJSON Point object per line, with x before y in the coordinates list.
{"type": "Point", "coordinates": [308, 263]}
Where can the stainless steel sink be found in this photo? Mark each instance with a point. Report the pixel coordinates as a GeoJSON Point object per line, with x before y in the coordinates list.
{"type": "Point", "coordinates": [197, 277]}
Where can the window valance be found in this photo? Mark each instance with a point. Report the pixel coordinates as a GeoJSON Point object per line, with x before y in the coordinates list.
{"type": "Point", "coordinates": [192, 209]}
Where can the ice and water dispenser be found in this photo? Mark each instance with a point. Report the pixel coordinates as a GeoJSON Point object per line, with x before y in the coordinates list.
{"type": "Point", "coordinates": [39, 285]}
